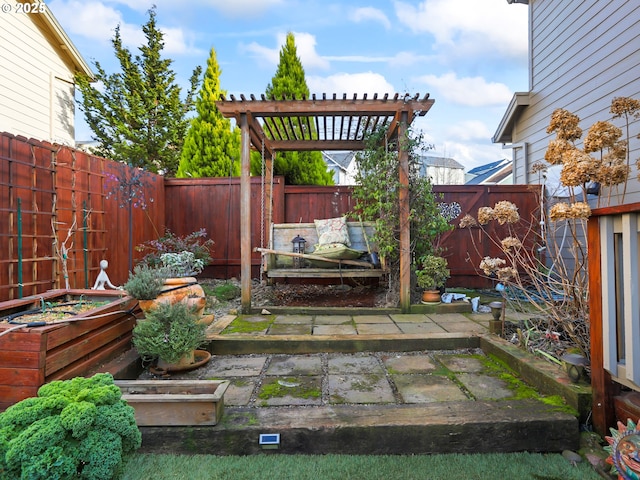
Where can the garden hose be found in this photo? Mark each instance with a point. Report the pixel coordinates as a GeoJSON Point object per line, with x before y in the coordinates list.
{"type": "Point", "coordinates": [22, 325]}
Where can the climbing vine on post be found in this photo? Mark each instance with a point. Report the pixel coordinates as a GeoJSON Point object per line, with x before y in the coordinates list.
{"type": "Point", "coordinates": [377, 199]}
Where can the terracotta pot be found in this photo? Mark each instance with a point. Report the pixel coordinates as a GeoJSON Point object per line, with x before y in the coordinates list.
{"type": "Point", "coordinates": [431, 296]}
{"type": "Point", "coordinates": [192, 360]}
{"type": "Point", "coordinates": [179, 289]}
{"type": "Point", "coordinates": [186, 360]}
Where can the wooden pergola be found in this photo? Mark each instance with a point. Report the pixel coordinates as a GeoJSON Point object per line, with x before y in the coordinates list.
{"type": "Point", "coordinates": [272, 125]}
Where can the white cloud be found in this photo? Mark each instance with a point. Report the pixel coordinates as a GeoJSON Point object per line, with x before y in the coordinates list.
{"type": "Point", "coordinates": [79, 18]}
{"type": "Point", "coordinates": [469, 130]}
{"type": "Point", "coordinates": [244, 8]}
{"type": "Point", "coordinates": [350, 83]}
{"type": "Point", "coordinates": [471, 155]}
{"type": "Point", "coordinates": [468, 91]}
{"type": "Point", "coordinates": [264, 55]}
{"type": "Point", "coordinates": [366, 14]}
{"type": "Point", "coordinates": [469, 26]}
{"type": "Point", "coordinates": [305, 48]}
{"type": "Point", "coordinates": [405, 59]}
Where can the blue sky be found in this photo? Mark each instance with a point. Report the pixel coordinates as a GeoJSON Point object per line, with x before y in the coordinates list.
{"type": "Point", "coordinates": [469, 55]}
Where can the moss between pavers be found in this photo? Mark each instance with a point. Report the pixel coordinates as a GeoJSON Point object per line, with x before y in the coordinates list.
{"type": "Point", "coordinates": [547, 378]}
{"type": "Point", "coordinates": [241, 325]}
{"type": "Point", "coordinates": [297, 387]}
{"type": "Point", "coordinates": [495, 367]}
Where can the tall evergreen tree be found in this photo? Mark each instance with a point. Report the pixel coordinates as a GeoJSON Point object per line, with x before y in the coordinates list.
{"type": "Point", "coordinates": [211, 148]}
{"type": "Point", "coordinates": [138, 116]}
{"type": "Point", "coordinates": [298, 168]}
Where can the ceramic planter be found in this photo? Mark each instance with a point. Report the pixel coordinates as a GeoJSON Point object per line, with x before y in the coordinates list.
{"type": "Point", "coordinates": [179, 289]}
{"type": "Point", "coordinates": [30, 357]}
{"type": "Point", "coordinates": [431, 296]}
{"type": "Point", "coordinates": [175, 402]}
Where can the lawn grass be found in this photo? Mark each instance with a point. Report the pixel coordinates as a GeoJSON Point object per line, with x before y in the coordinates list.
{"type": "Point", "coordinates": [521, 466]}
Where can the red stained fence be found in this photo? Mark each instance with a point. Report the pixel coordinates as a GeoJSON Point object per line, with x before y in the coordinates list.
{"type": "Point", "coordinates": [213, 203]}
{"type": "Point", "coordinates": [56, 185]}
{"type": "Point", "coordinates": [51, 194]}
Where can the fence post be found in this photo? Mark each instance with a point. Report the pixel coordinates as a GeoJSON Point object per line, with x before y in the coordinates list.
{"type": "Point", "coordinates": [84, 243]}
{"type": "Point", "coordinates": [19, 248]}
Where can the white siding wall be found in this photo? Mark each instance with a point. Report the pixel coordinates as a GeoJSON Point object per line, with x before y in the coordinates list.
{"type": "Point", "coordinates": [584, 53]}
{"type": "Point", "coordinates": [36, 86]}
{"type": "Point", "coordinates": [445, 176]}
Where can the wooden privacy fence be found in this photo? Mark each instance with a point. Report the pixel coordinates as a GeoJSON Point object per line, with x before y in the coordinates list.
{"type": "Point", "coordinates": [54, 195]}
{"type": "Point", "coordinates": [49, 192]}
{"type": "Point", "coordinates": [213, 204]}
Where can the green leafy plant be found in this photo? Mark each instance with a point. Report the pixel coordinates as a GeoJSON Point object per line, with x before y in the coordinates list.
{"type": "Point", "coordinates": [169, 332]}
{"type": "Point", "coordinates": [182, 264]}
{"type": "Point", "coordinates": [224, 292]}
{"type": "Point", "coordinates": [377, 199]}
{"type": "Point", "coordinates": [145, 283]}
{"type": "Point", "coordinates": [78, 428]}
{"type": "Point", "coordinates": [196, 243]}
{"type": "Point", "coordinates": [432, 272]}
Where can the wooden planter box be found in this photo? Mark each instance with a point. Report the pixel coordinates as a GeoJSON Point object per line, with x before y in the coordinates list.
{"type": "Point", "coordinates": [31, 357]}
{"type": "Point", "coordinates": [175, 402]}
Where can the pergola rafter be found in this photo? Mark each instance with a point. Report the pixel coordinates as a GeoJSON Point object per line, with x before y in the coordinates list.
{"type": "Point", "coordinates": [308, 124]}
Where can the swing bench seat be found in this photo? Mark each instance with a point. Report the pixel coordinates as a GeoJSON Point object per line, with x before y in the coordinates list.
{"type": "Point", "coordinates": [279, 260]}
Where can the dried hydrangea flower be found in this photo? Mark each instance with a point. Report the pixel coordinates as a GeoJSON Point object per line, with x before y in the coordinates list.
{"type": "Point", "coordinates": [506, 273]}
{"type": "Point", "coordinates": [560, 211]}
{"type": "Point", "coordinates": [613, 173]}
{"type": "Point", "coordinates": [538, 167]}
{"type": "Point", "coordinates": [580, 210]}
{"type": "Point", "coordinates": [468, 221]}
{"type": "Point", "coordinates": [601, 135]}
{"type": "Point", "coordinates": [565, 124]}
{"type": "Point", "coordinates": [625, 106]}
{"type": "Point", "coordinates": [578, 168]}
{"type": "Point", "coordinates": [485, 214]}
{"type": "Point", "coordinates": [490, 265]}
{"type": "Point", "coordinates": [556, 150]}
{"type": "Point", "coordinates": [510, 242]}
{"type": "Point", "coordinates": [506, 212]}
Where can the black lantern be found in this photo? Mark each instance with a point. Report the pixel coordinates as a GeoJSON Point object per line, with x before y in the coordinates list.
{"type": "Point", "coordinates": [298, 247]}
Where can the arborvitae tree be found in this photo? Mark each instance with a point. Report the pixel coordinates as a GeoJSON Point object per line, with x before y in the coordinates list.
{"type": "Point", "coordinates": [138, 116]}
{"type": "Point", "coordinates": [298, 168]}
{"type": "Point", "coordinates": [211, 148]}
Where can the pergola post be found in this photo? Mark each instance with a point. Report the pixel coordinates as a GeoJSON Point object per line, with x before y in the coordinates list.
{"type": "Point", "coordinates": [405, 234]}
{"type": "Point", "coordinates": [245, 214]}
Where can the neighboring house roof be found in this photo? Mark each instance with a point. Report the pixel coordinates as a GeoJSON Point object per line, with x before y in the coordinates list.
{"type": "Point", "coordinates": [482, 169]}
{"type": "Point", "coordinates": [446, 162]}
{"type": "Point", "coordinates": [504, 133]}
{"type": "Point", "coordinates": [47, 22]}
{"type": "Point", "coordinates": [341, 160]}
{"type": "Point", "coordinates": [494, 172]}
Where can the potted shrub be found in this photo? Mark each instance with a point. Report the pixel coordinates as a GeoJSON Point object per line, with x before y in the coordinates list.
{"type": "Point", "coordinates": [431, 275]}
{"type": "Point", "coordinates": [171, 334]}
{"type": "Point", "coordinates": [145, 283]}
{"type": "Point", "coordinates": [171, 243]}
{"type": "Point", "coordinates": [181, 264]}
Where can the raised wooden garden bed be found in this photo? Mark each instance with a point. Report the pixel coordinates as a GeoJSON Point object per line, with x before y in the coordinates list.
{"type": "Point", "coordinates": [32, 356]}
{"type": "Point", "coordinates": [175, 402]}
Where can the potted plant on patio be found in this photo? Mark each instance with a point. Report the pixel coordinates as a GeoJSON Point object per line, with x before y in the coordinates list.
{"type": "Point", "coordinates": [145, 284]}
{"type": "Point", "coordinates": [431, 275]}
{"type": "Point", "coordinates": [171, 335]}
{"type": "Point", "coordinates": [181, 258]}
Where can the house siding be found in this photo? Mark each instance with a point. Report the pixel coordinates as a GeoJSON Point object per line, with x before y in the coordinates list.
{"type": "Point", "coordinates": [36, 85]}
{"type": "Point", "coordinates": [583, 54]}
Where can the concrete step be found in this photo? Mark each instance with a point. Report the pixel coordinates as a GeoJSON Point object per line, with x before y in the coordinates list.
{"type": "Point", "coordinates": [443, 427]}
